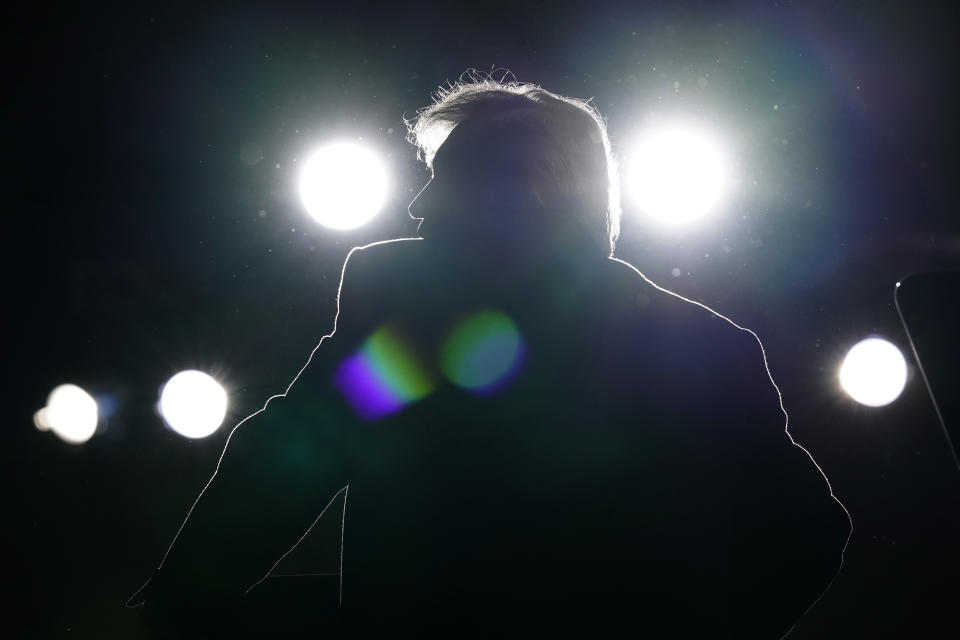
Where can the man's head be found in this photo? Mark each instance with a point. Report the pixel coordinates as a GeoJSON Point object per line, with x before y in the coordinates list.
{"type": "Point", "coordinates": [514, 158]}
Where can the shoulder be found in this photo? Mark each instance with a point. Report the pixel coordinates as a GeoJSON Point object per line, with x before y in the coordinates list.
{"type": "Point", "coordinates": [375, 271]}
{"type": "Point", "coordinates": [379, 259]}
{"type": "Point", "coordinates": [647, 304]}
{"type": "Point", "coordinates": [689, 345]}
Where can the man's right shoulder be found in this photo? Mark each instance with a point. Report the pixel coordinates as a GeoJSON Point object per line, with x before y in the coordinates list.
{"type": "Point", "coordinates": [373, 273]}
{"type": "Point", "coordinates": [381, 259]}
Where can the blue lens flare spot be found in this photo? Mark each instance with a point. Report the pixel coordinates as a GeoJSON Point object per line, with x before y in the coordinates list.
{"type": "Point", "coordinates": [482, 352]}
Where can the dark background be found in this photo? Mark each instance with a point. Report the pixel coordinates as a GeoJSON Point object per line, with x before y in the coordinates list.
{"type": "Point", "coordinates": [155, 227]}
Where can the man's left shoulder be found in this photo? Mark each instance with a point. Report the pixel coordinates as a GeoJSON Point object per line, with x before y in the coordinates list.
{"type": "Point", "coordinates": [672, 316]}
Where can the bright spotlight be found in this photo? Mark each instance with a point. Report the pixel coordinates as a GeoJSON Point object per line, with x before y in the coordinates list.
{"type": "Point", "coordinates": [71, 413]}
{"type": "Point", "coordinates": [874, 372]}
{"type": "Point", "coordinates": [343, 185]}
{"type": "Point", "coordinates": [193, 404]}
{"type": "Point", "coordinates": [677, 174]}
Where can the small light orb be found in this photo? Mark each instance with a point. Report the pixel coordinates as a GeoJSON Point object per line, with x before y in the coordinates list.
{"type": "Point", "coordinates": [343, 185]}
{"type": "Point", "coordinates": [482, 352]}
{"type": "Point", "coordinates": [71, 413]}
{"type": "Point", "coordinates": [874, 372]}
{"type": "Point", "coordinates": [677, 174]}
{"type": "Point", "coordinates": [193, 404]}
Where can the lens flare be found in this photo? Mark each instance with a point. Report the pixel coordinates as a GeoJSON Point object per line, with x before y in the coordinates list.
{"type": "Point", "coordinates": [677, 174]}
{"type": "Point", "coordinates": [482, 352]}
{"type": "Point", "coordinates": [383, 376]}
{"type": "Point", "coordinates": [71, 413]}
{"type": "Point", "coordinates": [343, 185]}
{"type": "Point", "coordinates": [193, 404]}
{"type": "Point", "coordinates": [874, 372]}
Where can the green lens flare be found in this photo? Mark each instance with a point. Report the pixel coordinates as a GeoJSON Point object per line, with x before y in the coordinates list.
{"type": "Point", "coordinates": [482, 351]}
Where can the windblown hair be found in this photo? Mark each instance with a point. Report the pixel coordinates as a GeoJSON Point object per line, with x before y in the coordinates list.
{"type": "Point", "coordinates": [574, 168]}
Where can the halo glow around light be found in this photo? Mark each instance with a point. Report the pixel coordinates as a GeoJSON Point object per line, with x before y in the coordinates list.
{"type": "Point", "coordinates": [677, 174]}
{"type": "Point", "coordinates": [71, 413]}
{"type": "Point", "coordinates": [874, 372]}
{"type": "Point", "coordinates": [343, 185]}
{"type": "Point", "coordinates": [193, 404]}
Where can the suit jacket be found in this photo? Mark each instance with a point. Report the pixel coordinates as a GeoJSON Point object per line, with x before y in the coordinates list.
{"type": "Point", "coordinates": [562, 447]}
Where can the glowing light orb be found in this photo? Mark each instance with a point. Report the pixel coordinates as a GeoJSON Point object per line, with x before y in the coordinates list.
{"type": "Point", "coordinates": [383, 376]}
{"type": "Point", "coordinates": [677, 174]}
{"type": "Point", "coordinates": [193, 404]}
{"type": "Point", "coordinates": [874, 372]}
{"type": "Point", "coordinates": [71, 413]}
{"type": "Point", "coordinates": [343, 185]}
{"type": "Point", "coordinates": [482, 352]}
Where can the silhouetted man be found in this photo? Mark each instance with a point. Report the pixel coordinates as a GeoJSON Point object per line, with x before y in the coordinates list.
{"type": "Point", "coordinates": [523, 435]}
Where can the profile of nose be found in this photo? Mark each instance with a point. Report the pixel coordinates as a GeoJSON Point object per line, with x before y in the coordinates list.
{"type": "Point", "coordinates": [414, 209]}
